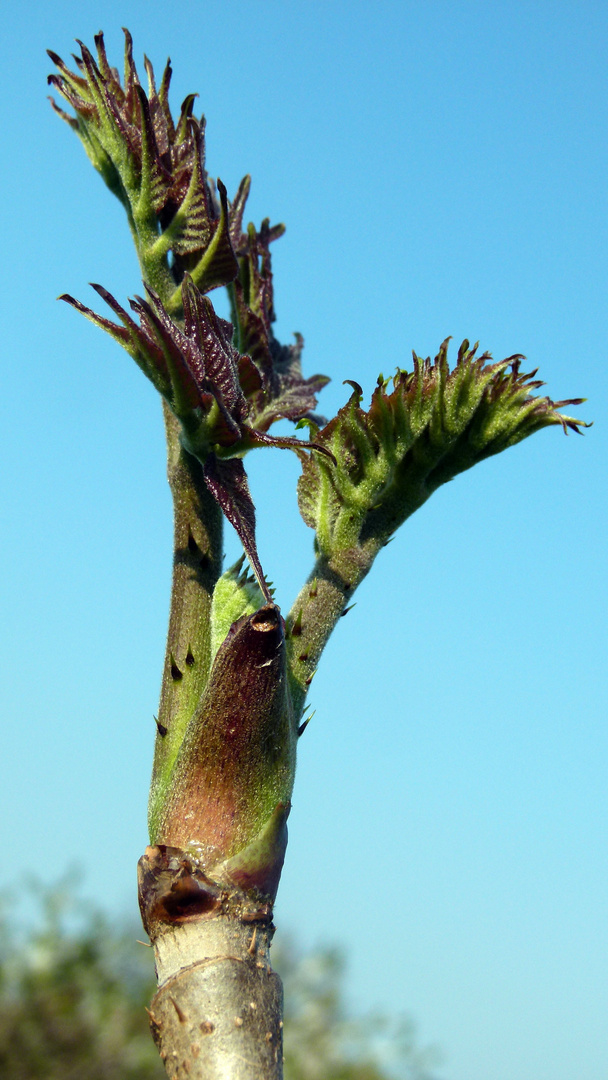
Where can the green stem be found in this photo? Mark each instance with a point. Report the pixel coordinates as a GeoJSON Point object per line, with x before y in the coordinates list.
{"type": "Point", "coordinates": [153, 263]}
{"type": "Point", "coordinates": [317, 609]}
{"type": "Point", "coordinates": [197, 564]}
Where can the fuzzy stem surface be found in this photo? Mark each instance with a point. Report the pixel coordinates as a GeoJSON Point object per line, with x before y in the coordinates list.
{"type": "Point", "coordinates": [319, 605]}
{"type": "Point", "coordinates": [197, 564]}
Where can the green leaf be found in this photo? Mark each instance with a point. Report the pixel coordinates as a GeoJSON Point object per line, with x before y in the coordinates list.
{"type": "Point", "coordinates": [236, 594]}
{"type": "Point", "coordinates": [432, 425]}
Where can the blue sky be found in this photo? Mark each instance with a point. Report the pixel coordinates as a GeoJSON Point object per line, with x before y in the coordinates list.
{"type": "Point", "coordinates": [441, 170]}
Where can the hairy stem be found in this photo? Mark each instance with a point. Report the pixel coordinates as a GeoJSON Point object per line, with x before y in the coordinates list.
{"type": "Point", "coordinates": [316, 610]}
{"type": "Point", "coordinates": [197, 564]}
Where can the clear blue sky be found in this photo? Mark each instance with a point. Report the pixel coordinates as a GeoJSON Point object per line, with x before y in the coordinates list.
{"type": "Point", "coordinates": [441, 168]}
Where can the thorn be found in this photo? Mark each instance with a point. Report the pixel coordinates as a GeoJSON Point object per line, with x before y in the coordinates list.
{"type": "Point", "coordinates": [251, 949]}
{"type": "Point", "coordinates": [190, 658]}
{"type": "Point", "coordinates": [308, 681]}
{"type": "Point", "coordinates": [146, 943]}
{"type": "Point", "coordinates": [296, 627]}
{"type": "Point", "coordinates": [162, 730]}
{"type": "Point", "coordinates": [303, 657]}
{"type": "Point", "coordinates": [196, 552]}
{"type": "Point", "coordinates": [180, 1013]}
{"type": "Point", "coordinates": [347, 609]}
{"type": "Point", "coordinates": [176, 674]}
{"type": "Point", "coordinates": [193, 547]}
{"type": "Point", "coordinates": [305, 723]}
{"type": "Point", "coordinates": [314, 588]}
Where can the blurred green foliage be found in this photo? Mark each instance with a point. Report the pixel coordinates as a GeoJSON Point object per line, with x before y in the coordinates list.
{"type": "Point", "coordinates": [74, 987]}
{"type": "Point", "coordinates": [324, 1040]}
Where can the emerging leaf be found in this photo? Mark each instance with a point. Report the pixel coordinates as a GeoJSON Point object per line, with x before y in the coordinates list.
{"type": "Point", "coordinates": [433, 424]}
{"type": "Point", "coordinates": [286, 393]}
{"type": "Point", "coordinates": [236, 594]}
{"type": "Point", "coordinates": [154, 164]}
{"type": "Point", "coordinates": [213, 390]}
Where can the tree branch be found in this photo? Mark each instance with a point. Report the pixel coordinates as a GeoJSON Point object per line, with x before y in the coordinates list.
{"type": "Point", "coordinates": [218, 1010]}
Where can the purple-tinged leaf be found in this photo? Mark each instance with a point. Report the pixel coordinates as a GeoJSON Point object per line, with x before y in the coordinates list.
{"type": "Point", "coordinates": [287, 394]}
{"type": "Point", "coordinates": [237, 209]}
{"type": "Point", "coordinates": [151, 164]}
{"type": "Point", "coordinates": [284, 442]}
{"type": "Point", "coordinates": [227, 482]}
{"type": "Point", "coordinates": [84, 108]}
{"type": "Point", "coordinates": [119, 333]}
{"type": "Point", "coordinates": [167, 342]}
{"type": "Point", "coordinates": [193, 224]}
{"type": "Point", "coordinates": [218, 264]}
{"type": "Point", "coordinates": [212, 351]}
{"type": "Point", "coordinates": [155, 178]}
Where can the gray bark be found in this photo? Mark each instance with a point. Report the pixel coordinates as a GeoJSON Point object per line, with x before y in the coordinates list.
{"type": "Point", "coordinates": [217, 1014]}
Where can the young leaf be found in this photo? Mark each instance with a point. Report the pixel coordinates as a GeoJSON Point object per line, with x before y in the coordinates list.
{"type": "Point", "coordinates": [212, 389]}
{"type": "Point", "coordinates": [153, 164]}
{"type": "Point", "coordinates": [433, 424]}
